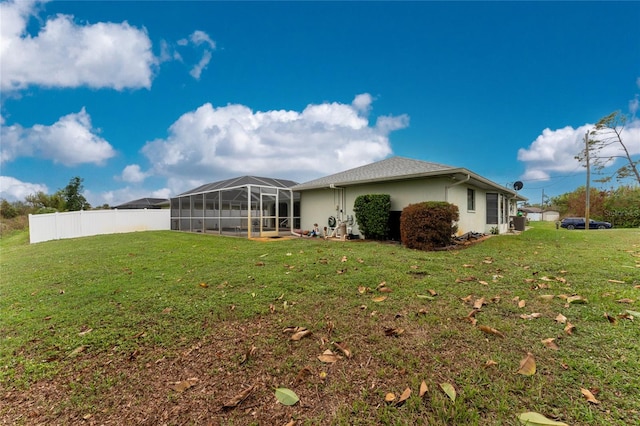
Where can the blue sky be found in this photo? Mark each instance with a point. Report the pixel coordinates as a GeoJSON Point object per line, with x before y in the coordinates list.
{"type": "Point", "coordinates": [149, 99]}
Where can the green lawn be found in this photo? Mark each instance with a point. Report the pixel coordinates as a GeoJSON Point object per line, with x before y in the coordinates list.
{"type": "Point", "coordinates": [101, 329]}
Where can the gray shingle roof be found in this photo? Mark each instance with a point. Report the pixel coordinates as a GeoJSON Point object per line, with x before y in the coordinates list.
{"type": "Point", "coordinates": [144, 203]}
{"type": "Point", "coordinates": [240, 182]}
{"type": "Point", "coordinates": [393, 168]}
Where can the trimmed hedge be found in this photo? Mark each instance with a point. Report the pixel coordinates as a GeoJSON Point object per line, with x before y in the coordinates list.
{"type": "Point", "coordinates": [372, 215]}
{"type": "Point", "coordinates": [428, 225]}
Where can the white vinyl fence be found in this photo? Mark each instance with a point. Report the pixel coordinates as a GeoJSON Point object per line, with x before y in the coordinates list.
{"type": "Point", "coordinates": [56, 226]}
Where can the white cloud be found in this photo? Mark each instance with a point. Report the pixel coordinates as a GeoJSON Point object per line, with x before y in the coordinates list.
{"type": "Point", "coordinates": [213, 143]}
{"type": "Point", "coordinates": [199, 37]}
{"type": "Point", "coordinates": [65, 54]}
{"type": "Point", "coordinates": [133, 174]}
{"type": "Point", "coordinates": [633, 106]}
{"type": "Point", "coordinates": [554, 151]}
{"type": "Point", "coordinates": [197, 69]}
{"type": "Point", "coordinates": [12, 189]}
{"type": "Point", "coordinates": [69, 141]}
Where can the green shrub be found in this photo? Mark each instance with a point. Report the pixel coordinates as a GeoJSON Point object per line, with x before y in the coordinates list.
{"type": "Point", "coordinates": [372, 215]}
{"type": "Point", "coordinates": [428, 225]}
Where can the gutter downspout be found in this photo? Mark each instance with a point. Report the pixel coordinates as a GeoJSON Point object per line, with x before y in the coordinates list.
{"type": "Point", "coordinates": [446, 188]}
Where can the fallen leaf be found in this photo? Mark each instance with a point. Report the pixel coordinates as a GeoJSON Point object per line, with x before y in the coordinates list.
{"type": "Point", "coordinates": [362, 289]}
{"type": "Point", "coordinates": [432, 292]}
{"type": "Point", "coordinates": [204, 285]}
{"type": "Point", "coordinates": [385, 290]}
{"type": "Point", "coordinates": [625, 300]}
{"type": "Point", "coordinates": [569, 328]}
{"type": "Point", "coordinates": [391, 331]}
{"type": "Point", "coordinates": [328, 357]}
{"type": "Point", "coordinates": [616, 281]}
{"type": "Point", "coordinates": [87, 331]}
{"type": "Point", "coordinates": [522, 304]}
{"type": "Point", "coordinates": [576, 299]}
{"type": "Point", "coordinates": [490, 330]}
{"type": "Point", "coordinates": [561, 319]}
{"type": "Point", "coordinates": [185, 384]}
{"type": "Point", "coordinates": [425, 296]}
{"type": "Point", "coordinates": [77, 350]}
{"type": "Point", "coordinates": [423, 311]}
{"type": "Point", "coordinates": [626, 316]}
{"type": "Point", "coordinates": [490, 363]}
{"type": "Point", "coordinates": [470, 320]}
{"type": "Point", "coordinates": [233, 402]}
{"type": "Point", "coordinates": [379, 299]}
{"type": "Point", "coordinates": [389, 397]}
{"type": "Point", "coordinates": [292, 329]}
{"type": "Point", "coordinates": [483, 282]}
{"type": "Point", "coordinates": [466, 265]}
{"type": "Point", "coordinates": [304, 372]}
{"type": "Point", "coordinates": [259, 263]}
{"type": "Point", "coordinates": [342, 347]}
{"type": "Point", "coordinates": [286, 396]}
{"type": "Point", "coordinates": [405, 395]}
{"type": "Point", "coordinates": [634, 313]}
{"type": "Point", "coordinates": [467, 299]}
{"type": "Point", "coordinates": [478, 303]}
{"type": "Point", "coordinates": [423, 388]}
{"type": "Point", "coordinates": [344, 259]}
{"type": "Point", "coordinates": [449, 390]}
{"type": "Point", "coordinates": [546, 297]}
{"type": "Point", "coordinates": [300, 334]}
{"type": "Point", "coordinates": [537, 419]}
{"type": "Point", "coordinates": [250, 352]}
{"type": "Point", "coordinates": [527, 365]}
{"type": "Point", "coordinates": [611, 319]}
{"type": "Point", "coordinates": [550, 343]}
{"type": "Point", "coordinates": [587, 394]}
{"type": "Point", "coordinates": [531, 316]}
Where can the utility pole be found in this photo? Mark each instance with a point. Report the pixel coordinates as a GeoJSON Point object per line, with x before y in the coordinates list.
{"type": "Point", "coordinates": [587, 201]}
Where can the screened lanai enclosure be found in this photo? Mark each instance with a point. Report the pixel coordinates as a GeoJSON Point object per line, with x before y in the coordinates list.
{"type": "Point", "coordinates": [246, 206]}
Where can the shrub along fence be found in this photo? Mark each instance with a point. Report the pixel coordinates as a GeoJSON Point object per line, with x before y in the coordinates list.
{"type": "Point", "coordinates": [56, 226]}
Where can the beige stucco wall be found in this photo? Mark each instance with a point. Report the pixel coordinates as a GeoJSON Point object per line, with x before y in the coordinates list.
{"type": "Point", "coordinates": [316, 206]}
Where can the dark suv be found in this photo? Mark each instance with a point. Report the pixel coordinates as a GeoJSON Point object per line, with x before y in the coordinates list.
{"type": "Point", "coordinates": [578, 223]}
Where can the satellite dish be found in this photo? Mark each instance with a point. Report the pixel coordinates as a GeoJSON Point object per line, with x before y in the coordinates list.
{"type": "Point", "coordinates": [517, 185]}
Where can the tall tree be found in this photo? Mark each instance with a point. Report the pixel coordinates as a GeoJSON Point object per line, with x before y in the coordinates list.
{"type": "Point", "coordinates": [608, 133]}
{"type": "Point", "coordinates": [73, 195]}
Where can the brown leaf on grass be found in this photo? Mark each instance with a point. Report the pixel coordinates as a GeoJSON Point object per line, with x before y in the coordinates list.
{"type": "Point", "coordinates": [522, 304]}
{"type": "Point", "coordinates": [204, 285]}
{"type": "Point", "coordinates": [329, 357]}
{"type": "Point", "coordinates": [405, 395]}
{"type": "Point", "coordinates": [561, 319]}
{"type": "Point", "coordinates": [344, 259]}
{"type": "Point", "coordinates": [393, 332]}
{"type": "Point", "coordinates": [473, 313]}
{"type": "Point", "coordinates": [342, 347]}
{"type": "Point", "coordinates": [576, 299]}
{"type": "Point", "coordinates": [259, 263]}
{"type": "Point", "coordinates": [385, 290]}
{"type": "Point", "coordinates": [612, 320]}
{"type": "Point", "coordinates": [272, 308]}
{"type": "Point", "coordinates": [423, 311]}
{"type": "Point", "coordinates": [490, 330]}
{"type": "Point", "coordinates": [389, 397]}
{"type": "Point", "coordinates": [589, 396]}
{"type": "Point", "coordinates": [303, 373]}
{"type": "Point", "coordinates": [550, 343]}
{"type": "Point", "coordinates": [293, 329]}
{"type": "Point", "coordinates": [379, 299]}
{"type": "Point", "coordinates": [423, 389]}
{"type": "Point", "coordinates": [467, 299]}
{"type": "Point", "coordinates": [300, 335]}
{"type": "Point", "coordinates": [625, 300]}
{"type": "Point", "coordinates": [467, 265]}
{"type": "Point", "coordinates": [569, 328]}
{"type": "Point", "coordinates": [478, 303]}
{"type": "Point", "coordinates": [470, 320]}
{"type": "Point", "coordinates": [546, 297]}
{"type": "Point", "coordinates": [616, 281]}
{"type": "Point", "coordinates": [184, 384]}
{"type": "Point", "coordinates": [527, 365]}
{"type": "Point", "coordinates": [531, 316]}
{"type": "Point", "coordinates": [483, 282]}
{"type": "Point", "coordinates": [362, 289]}
{"type": "Point", "coordinates": [626, 316]}
{"type": "Point", "coordinates": [490, 363]}
{"type": "Point", "coordinates": [237, 399]}
{"type": "Point", "coordinates": [432, 292]}
{"type": "Point", "coordinates": [250, 352]}
{"type": "Point", "coordinates": [85, 331]}
{"type": "Point", "coordinates": [77, 351]}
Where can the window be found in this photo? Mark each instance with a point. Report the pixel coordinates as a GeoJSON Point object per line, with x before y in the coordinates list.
{"type": "Point", "coordinates": [492, 209]}
{"type": "Point", "coordinates": [471, 199]}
